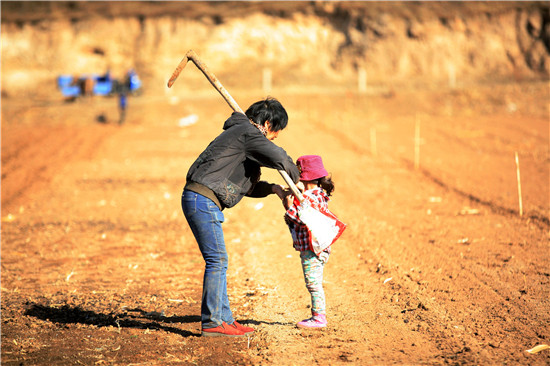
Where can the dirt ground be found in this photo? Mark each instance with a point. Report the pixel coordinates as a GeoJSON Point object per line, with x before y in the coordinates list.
{"type": "Point", "coordinates": [436, 266]}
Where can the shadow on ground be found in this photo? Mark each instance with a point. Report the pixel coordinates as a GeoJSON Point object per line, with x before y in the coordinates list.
{"type": "Point", "coordinates": [143, 320]}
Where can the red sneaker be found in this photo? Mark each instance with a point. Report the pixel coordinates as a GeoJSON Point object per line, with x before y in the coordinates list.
{"type": "Point", "coordinates": [223, 330]}
{"type": "Point", "coordinates": [242, 328]}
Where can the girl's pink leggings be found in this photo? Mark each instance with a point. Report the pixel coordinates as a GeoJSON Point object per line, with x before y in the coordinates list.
{"type": "Point", "coordinates": [313, 275]}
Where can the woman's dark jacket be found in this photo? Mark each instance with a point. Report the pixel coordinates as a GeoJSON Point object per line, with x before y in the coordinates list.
{"type": "Point", "coordinates": [229, 168]}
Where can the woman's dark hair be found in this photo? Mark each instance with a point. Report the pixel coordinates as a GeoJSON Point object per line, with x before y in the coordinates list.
{"type": "Point", "coordinates": [270, 110]}
{"type": "Point", "coordinates": [327, 184]}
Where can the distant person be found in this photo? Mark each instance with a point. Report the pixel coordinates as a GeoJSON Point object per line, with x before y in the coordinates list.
{"type": "Point", "coordinates": [86, 84]}
{"type": "Point", "coordinates": [318, 187]}
{"type": "Point", "coordinates": [132, 82]}
{"type": "Point", "coordinates": [122, 104]}
{"type": "Point", "coordinates": [226, 171]}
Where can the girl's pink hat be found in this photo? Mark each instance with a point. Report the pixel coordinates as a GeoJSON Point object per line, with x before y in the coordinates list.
{"type": "Point", "coordinates": [311, 167]}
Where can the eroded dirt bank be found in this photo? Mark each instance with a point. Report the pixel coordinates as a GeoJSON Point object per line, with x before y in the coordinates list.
{"type": "Point", "coordinates": [301, 43]}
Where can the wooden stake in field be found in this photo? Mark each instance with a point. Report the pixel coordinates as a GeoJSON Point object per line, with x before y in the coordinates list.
{"type": "Point", "coordinates": [373, 148]}
{"type": "Point", "coordinates": [417, 143]}
{"type": "Point", "coordinates": [266, 80]}
{"type": "Point", "coordinates": [362, 81]}
{"type": "Point", "coordinates": [519, 186]}
{"type": "Point", "coordinates": [452, 76]}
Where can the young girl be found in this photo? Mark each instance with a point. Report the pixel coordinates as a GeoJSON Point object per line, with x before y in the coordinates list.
{"type": "Point", "coordinates": [317, 189]}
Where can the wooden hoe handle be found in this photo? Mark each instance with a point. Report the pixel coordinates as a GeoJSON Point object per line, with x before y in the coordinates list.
{"type": "Point", "coordinates": [191, 55]}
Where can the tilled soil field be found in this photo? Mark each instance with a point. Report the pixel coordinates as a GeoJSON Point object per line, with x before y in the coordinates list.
{"type": "Point", "coordinates": [437, 266]}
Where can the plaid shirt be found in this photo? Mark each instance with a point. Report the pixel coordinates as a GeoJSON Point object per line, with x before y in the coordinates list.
{"type": "Point", "coordinates": [301, 236]}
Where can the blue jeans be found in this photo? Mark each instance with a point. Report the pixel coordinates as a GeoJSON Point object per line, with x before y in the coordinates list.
{"type": "Point", "coordinates": [205, 220]}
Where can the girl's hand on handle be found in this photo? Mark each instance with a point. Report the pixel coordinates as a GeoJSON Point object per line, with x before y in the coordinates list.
{"type": "Point", "coordinates": [284, 194]}
{"type": "Point", "coordinates": [288, 200]}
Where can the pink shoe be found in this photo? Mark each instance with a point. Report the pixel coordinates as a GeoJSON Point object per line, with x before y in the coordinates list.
{"type": "Point", "coordinates": [316, 321]}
